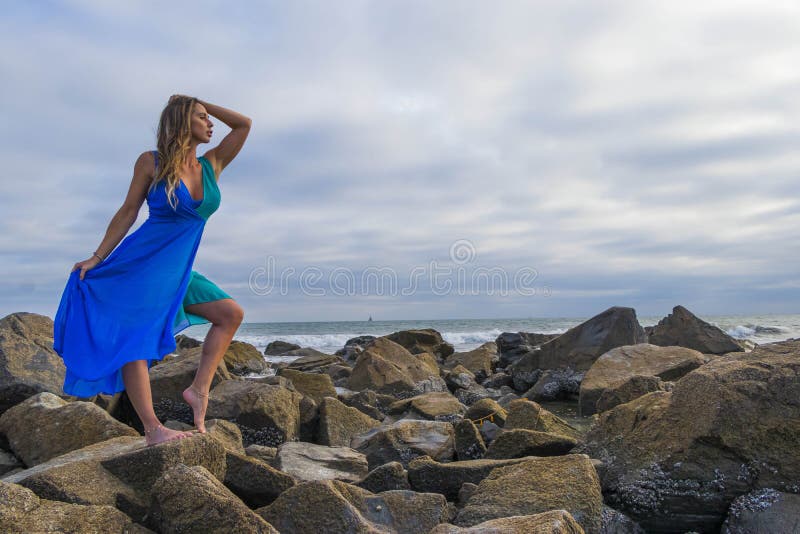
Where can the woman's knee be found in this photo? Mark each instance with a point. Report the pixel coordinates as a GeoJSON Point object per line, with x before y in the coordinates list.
{"type": "Point", "coordinates": [235, 313]}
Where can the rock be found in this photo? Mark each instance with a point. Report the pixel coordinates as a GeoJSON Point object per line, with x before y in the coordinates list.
{"type": "Point", "coordinates": [254, 481]}
{"type": "Point", "coordinates": [498, 380]}
{"type": "Point", "coordinates": [260, 452]}
{"type": "Point", "coordinates": [368, 402]}
{"type": "Point", "coordinates": [556, 384]}
{"type": "Point", "coordinates": [519, 442]}
{"type": "Point", "coordinates": [764, 510]}
{"type": "Point", "coordinates": [191, 499]}
{"type": "Point", "coordinates": [28, 363]}
{"type": "Point", "coordinates": [21, 511]}
{"type": "Point", "coordinates": [465, 494]}
{"type": "Point", "coordinates": [307, 461]}
{"type": "Point", "coordinates": [458, 377]}
{"type": "Point", "coordinates": [684, 329]}
{"type": "Point", "coordinates": [620, 364]}
{"type": "Point", "coordinates": [680, 458]}
{"type": "Point", "coordinates": [480, 361]}
{"type": "Point", "coordinates": [312, 361]}
{"type": "Point", "coordinates": [267, 415]}
{"type": "Point", "coordinates": [630, 388]}
{"type": "Point", "coordinates": [529, 415]}
{"type": "Point", "coordinates": [512, 346]}
{"type": "Point", "coordinates": [279, 347]}
{"type": "Point", "coordinates": [538, 485]}
{"type": "Point", "coordinates": [472, 394]}
{"type": "Point", "coordinates": [341, 507]}
{"type": "Point", "coordinates": [387, 477]}
{"type": "Point", "coordinates": [338, 423]}
{"type": "Point", "coordinates": [615, 522]}
{"type": "Point", "coordinates": [468, 441]}
{"type": "Point", "coordinates": [183, 342]}
{"type": "Point", "coordinates": [45, 426]}
{"type": "Point", "coordinates": [314, 385]}
{"type": "Point", "coordinates": [405, 440]}
{"type": "Point", "coordinates": [552, 522]}
{"type": "Point", "coordinates": [433, 406]}
{"type": "Point", "coordinates": [121, 471]}
{"type": "Point", "coordinates": [428, 475]}
{"type": "Point", "coordinates": [486, 409]}
{"type": "Point", "coordinates": [340, 372]}
{"type": "Point", "coordinates": [422, 340]}
{"type": "Point", "coordinates": [580, 346]}
{"type": "Point", "coordinates": [353, 347]}
{"type": "Point", "coordinates": [243, 358]}
{"type": "Point", "coordinates": [9, 463]}
{"type": "Point", "coordinates": [226, 433]}
{"type": "Point", "coordinates": [169, 378]}
{"type": "Point", "coordinates": [386, 367]}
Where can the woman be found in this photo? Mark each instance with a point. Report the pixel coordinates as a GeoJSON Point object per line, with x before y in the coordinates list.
{"type": "Point", "coordinates": [120, 312]}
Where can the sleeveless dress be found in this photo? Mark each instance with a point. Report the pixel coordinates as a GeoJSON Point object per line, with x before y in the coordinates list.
{"type": "Point", "coordinates": [131, 305]}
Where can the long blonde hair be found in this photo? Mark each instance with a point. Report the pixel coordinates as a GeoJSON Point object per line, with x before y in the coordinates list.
{"type": "Point", "coordinates": [173, 141]}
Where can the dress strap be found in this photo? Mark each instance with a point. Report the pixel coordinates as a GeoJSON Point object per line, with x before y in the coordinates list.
{"type": "Point", "coordinates": [155, 155]}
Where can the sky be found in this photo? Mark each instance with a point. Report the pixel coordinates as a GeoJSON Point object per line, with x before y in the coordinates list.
{"type": "Point", "coordinates": [423, 160]}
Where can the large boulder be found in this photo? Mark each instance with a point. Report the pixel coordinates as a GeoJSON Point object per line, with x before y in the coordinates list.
{"type": "Point", "coordinates": [254, 481]}
{"type": "Point", "coordinates": [676, 460]}
{"type": "Point", "coordinates": [243, 358]}
{"type": "Point", "coordinates": [307, 461]}
{"type": "Point", "coordinates": [434, 406]}
{"type": "Point", "coordinates": [519, 442]}
{"type": "Point", "coordinates": [22, 511]}
{"type": "Point", "coordinates": [628, 389]}
{"type": "Point", "coordinates": [684, 329]}
{"type": "Point", "coordinates": [386, 367]}
{"type": "Point", "coordinates": [552, 522]}
{"type": "Point", "coordinates": [513, 345]}
{"type": "Point", "coordinates": [28, 363]}
{"type": "Point", "coordinates": [338, 423]}
{"type": "Point", "coordinates": [765, 510]}
{"type": "Point", "coordinates": [119, 472]}
{"type": "Point", "coordinates": [480, 361]}
{"type": "Point", "coordinates": [530, 415]}
{"type": "Point", "coordinates": [45, 426]}
{"type": "Point", "coordinates": [314, 385]}
{"type": "Point", "coordinates": [427, 475]}
{"type": "Point", "coordinates": [191, 499]}
{"type": "Point", "coordinates": [354, 346]}
{"type": "Point", "coordinates": [266, 414]}
{"type": "Point", "coordinates": [580, 346]}
{"type": "Point", "coordinates": [620, 364]}
{"type": "Point", "coordinates": [538, 485]}
{"type": "Point", "coordinates": [422, 340]}
{"type": "Point", "coordinates": [340, 507]}
{"type": "Point", "coordinates": [405, 440]}
{"type": "Point", "coordinates": [312, 361]}
{"type": "Point", "coordinates": [278, 347]}
{"type": "Point", "coordinates": [387, 477]}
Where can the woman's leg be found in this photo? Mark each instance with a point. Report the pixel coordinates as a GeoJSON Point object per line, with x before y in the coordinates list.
{"type": "Point", "coordinates": [225, 316]}
{"type": "Point", "coordinates": [136, 377]}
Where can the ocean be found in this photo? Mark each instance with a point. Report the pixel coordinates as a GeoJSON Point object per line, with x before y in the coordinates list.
{"type": "Point", "coordinates": [467, 334]}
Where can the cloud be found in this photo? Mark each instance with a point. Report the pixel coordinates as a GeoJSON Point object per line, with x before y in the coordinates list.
{"type": "Point", "coordinates": [637, 153]}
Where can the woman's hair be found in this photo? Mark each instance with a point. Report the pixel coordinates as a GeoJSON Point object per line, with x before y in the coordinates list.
{"type": "Point", "coordinates": [173, 142]}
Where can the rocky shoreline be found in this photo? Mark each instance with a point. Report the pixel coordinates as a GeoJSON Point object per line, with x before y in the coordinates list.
{"type": "Point", "coordinates": [690, 431]}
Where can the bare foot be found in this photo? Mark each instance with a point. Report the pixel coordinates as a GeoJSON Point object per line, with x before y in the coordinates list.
{"type": "Point", "coordinates": [199, 402]}
{"type": "Point", "coordinates": [160, 434]}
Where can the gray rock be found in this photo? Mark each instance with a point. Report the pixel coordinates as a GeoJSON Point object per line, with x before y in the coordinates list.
{"type": "Point", "coordinates": [552, 522]}
{"type": "Point", "coordinates": [519, 442]}
{"type": "Point", "coordinates": [405, 440]}
{"type": "Point", "coordinates": [45, 426]}
{"type": "Point", "coordinates": [278, 347]}
{"type": "Point", "coordinates": [684, 329]}
{"type": "Point", "coordinates": [254, 481]}
{"type": "Point", "coordinates": [387, 477]}
{"type": "Point", "coordinates": [28, 363]}
{"type": "Point", "coordinates": [191, 499]}
{"type": "Point", "coordinates": [468, 441]}
{"type": "Point", "coordinates": [341, 507]}
{"type": "Point", "coordinates": [307, 461]}
{"type": "Point", "coordinates": [422, 340]}
{"type": "Point", "coordinates": [764, 510]}
{"type": "Point", "coordinates": [447, 478]}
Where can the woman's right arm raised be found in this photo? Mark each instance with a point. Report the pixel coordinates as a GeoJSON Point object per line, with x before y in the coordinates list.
{"type": "Point", "coordinates": [121, 222]}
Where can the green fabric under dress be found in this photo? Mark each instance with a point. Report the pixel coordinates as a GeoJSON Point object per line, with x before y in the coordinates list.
{"type": "Point", "coordinates": [201, 289]}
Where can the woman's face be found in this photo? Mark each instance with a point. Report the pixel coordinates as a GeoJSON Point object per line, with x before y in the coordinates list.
{"type": "Point", "coordinates": [201, 124]}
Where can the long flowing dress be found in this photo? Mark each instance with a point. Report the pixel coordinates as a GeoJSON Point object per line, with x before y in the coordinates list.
{"type": "Point", "coordinates": [131, 305]}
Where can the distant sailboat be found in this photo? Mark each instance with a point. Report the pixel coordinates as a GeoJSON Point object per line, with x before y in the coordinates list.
{"type": "Point", "coordinates": [370, 319]}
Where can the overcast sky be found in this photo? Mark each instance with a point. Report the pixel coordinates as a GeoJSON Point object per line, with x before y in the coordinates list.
{"type": "Point", "coordinates": [637, 153]}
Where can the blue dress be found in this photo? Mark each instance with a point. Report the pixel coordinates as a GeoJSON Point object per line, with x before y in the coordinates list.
{"type": "Point", "coordinates": [131, 305]}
